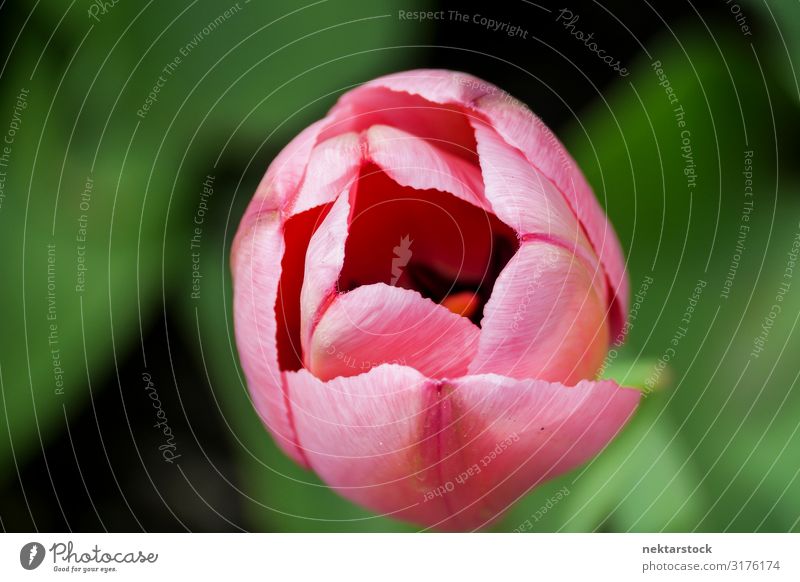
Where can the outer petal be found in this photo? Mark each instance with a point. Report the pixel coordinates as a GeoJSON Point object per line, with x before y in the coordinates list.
{"type": "Point", "coordinates": [332, 168]}
{"type": "Point", "coordinates": [520, 433]}
{"type": "Point", "coordinates": [525, 131]}
{"type": "Point", "coordinates": [256, 272]}
{"type": "Point", "coordinates": [373, 437]}
{"type": "Point", "coordinates": [377, 324]}
{"type": "Point", "coordinates": [452, 455]}
{"type": "Point", "coordinates": [545, 318]}
{"type": "Point", "coordinates": [436, 85]}
{"type": "Point", "coordinates": [283, 177]}
{"type": "Point", "coordinates": [521, 196]}
{"type": "Point", "coordinates": [521, 129]}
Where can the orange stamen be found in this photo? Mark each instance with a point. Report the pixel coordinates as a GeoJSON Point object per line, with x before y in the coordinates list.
{"type": "Point", "coordinates": [463, 303]}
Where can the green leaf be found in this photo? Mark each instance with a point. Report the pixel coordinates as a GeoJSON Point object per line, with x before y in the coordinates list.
{"type": "Point", "coordinates": [641, 482]}
{"type": "Point", "coordinates": [779, 33]}
{"type": "Point", "coordinates": [684, 236]}
{"type": "Point", "coordinates": [230, 71]}
{"type": "Point", "coordinates": [647, 375]}
{"type": "Point", "coordinates": [85, 253]}
{"type": "Point", "coordinates": [231, 89]}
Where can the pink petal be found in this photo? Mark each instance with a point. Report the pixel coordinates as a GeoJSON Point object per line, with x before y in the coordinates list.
{"type": "Point", "coordinates": [525, 131]}
{"type": "Point", "coordinates": [521, 433]}
{"type": "Point", "coordinates": [297, 233]}
{"type": "Point", "coordinates": [332, 169]}
{"type": "Point", "coordinates": [283, 177]}
{"type": "Point", "coordinates": [449, 454]}
{"type": "Point", "coordinates": [376, 324]}
{"type": "Point", "coordinates": [545, 318]}
{"type": "Point", "coordinates": [519, 128]}
{"type": "Point", "coordinates": [436, 85]}
{"type": "Point", "coordinates": [256, 272]}
{"type": "Point", "coordinates": [372, 437]}
{"type": "Point", "coordinates": [415, 162]}
{"type": "Point", "coordinates": [521, 196]}
{"type": "Point", "coordinates": [324, 260]}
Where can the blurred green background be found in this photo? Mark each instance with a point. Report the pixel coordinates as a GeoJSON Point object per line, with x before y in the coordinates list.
{"type": "Point", "coordinates": [99, 190]}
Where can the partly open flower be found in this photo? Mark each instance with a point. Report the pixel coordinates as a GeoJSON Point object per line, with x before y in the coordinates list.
{"type": "Point", "coordinates": [425, 289]}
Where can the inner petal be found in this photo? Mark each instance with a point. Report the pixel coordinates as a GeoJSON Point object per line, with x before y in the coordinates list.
{"type": "Point", "coordinates": [546, 319]}
{"type": "Point", "coordinates": [298, 231]}
{"type": "Point", "coordinates": [425, 240]}
{"type": "Point", "coordinates": [380, 324]}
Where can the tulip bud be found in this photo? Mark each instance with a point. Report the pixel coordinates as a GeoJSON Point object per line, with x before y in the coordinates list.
{"type": "Point", "coordinates": [425, 288]}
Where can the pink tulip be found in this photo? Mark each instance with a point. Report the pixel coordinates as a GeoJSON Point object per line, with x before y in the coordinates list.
{"type": "Point", "coordinates": [425, 290]}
